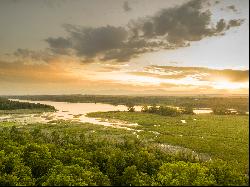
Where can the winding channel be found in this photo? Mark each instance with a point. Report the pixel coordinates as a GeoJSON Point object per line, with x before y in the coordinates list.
{"type": "Point", "coordinates": [73, 112]}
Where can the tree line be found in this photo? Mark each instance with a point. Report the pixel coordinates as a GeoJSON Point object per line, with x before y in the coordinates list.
{"type": "Point", "coordinates": [238, 103]}
{"type": "Point", "coordinates": [162, 110]}
{"type": "Point", "coordinates": [6, 104]}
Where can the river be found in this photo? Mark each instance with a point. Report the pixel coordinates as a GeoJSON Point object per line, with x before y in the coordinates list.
{"type": "Point", "coordinates": [77, 112]}
{"type": "Point", "coordinates": [72, 112]}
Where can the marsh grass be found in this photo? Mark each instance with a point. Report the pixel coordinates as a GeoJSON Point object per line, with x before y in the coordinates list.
{"type": "Point", "coordinates": [224, 137]}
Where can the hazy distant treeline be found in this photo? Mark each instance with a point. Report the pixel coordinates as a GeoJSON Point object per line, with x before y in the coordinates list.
{"type": "Point", "coordinates": [238, 103]}
{"type": "Point", "coordinates": [6, 104]}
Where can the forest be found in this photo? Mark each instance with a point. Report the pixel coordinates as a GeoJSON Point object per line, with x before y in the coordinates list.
{"type": "Point", "coordinates": [74, 154]}
{"type": "Point", "coordinates": [6, 104]}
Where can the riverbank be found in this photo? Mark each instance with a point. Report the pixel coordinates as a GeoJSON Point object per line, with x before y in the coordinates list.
{"type": "Point", "coordinates": [239, 103]}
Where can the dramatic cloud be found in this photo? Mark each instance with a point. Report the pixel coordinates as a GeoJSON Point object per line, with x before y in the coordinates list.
{"type": "Point", "coordinates": [178, 24]}
{"type": "Point", "coordinates": [33, 56]}
{"type": "Point", "coordinates": [235, 23]}
{"type": "Point", "coordinates": [168, 29]}
{"type": "Point", "coordinates": [89, 42]}
{"type": "Point", "coordinates": [232, 7]}
{"type": "Point", "coordinates": [59, 45]}
{"type": "Point", "coordinates": [51, 78]}
{"type": "Point", "coordinates": [199, 73]}
{"type": "Point", "coordinates": [223, 26]}
{"type": "Point", "coordinates": [182, 24]}
{"type": "Point", "coordinates": [126, 7]}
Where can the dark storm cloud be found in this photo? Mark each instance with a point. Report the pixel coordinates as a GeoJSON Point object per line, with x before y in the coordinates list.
{"type": "Point", "coordinates": [168, 29]}
{"type": "Point", "coordinates": [126, 7]}
{"type": "Point", "coordinates": [199, 73]}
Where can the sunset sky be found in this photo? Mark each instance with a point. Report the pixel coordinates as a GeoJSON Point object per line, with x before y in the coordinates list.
{"type": "Point", "coordinates": [157, 47]}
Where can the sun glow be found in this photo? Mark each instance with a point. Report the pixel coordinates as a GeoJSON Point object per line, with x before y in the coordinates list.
{"type": "Point", "coordinates": [229, 85]}
{"type": "Point", "coordinates": [138, 79]}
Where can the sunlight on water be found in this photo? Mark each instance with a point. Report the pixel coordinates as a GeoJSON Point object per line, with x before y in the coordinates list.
{"type": "Point", "coordinates": [74, 112]}
{"type": "Point", "coordinates": [77, 112]}
{"type": "Point", "coordinates": [203, 111]}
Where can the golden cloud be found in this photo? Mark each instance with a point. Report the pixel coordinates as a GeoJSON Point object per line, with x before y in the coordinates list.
{"type": "Point", "coordinates": [199, 73]}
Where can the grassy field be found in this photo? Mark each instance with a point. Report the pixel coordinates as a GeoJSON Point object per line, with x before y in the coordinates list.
{"type": "Point", "coordinates": [224, 137]}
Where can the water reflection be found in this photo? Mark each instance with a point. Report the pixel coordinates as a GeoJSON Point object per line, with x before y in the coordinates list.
{"type": "Point", "coordinates": [202, 110]}
{"type": "Point", "coordinates": [73, 112]}
{"type": "Point", "coordinates": [78, 111]}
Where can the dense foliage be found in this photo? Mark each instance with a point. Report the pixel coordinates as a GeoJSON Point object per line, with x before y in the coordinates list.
{"type": "Point", "coordinates": [166, 110]}
{"type": "Point", "coordinates": [6, 104]}
{"type": "Point", "coordinates": [223, 111]}
{"type": "Point", "coordinates": [77, 154]}
{"type": "Point", "coordinates": [220, 136]}
{"type": "Point", "coordinates": [238, 103]}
